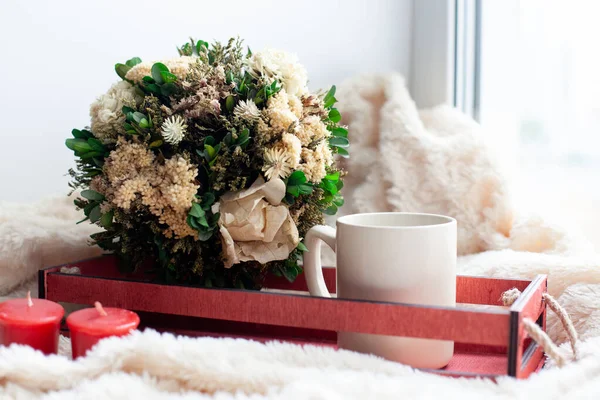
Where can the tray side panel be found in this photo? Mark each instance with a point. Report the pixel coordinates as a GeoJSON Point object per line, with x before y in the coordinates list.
{"type": "Point", "coordinates": [530, 305]}
{"type": "Point", "coordinates": [458, 324]}
{"type": "Point", "coordinates": [469, 289]}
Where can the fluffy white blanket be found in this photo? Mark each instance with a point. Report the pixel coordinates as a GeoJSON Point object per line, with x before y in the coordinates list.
{"type": "Point", "coordinates": [402, 160]}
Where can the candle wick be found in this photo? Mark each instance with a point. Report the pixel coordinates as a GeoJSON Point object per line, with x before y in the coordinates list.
{"type": "Point", "coordinates": [100, 309]}
{"type": "Point", "coordinates": [29, 301]}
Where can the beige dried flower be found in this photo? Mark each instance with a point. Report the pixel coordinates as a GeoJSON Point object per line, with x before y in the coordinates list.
{"type": "Point", "coordinates": [291, 146]}
{"type": "Point", "coordinates": [173, 129]}
{"type": "Point", "coordinates": [179, 66]}
{"type": "Point", "coordinates": [278, 164]}
{"type": "Point", "coordinates": [315, 162]}
{"type": "Point", "coordinates": [279, 115]}
{"type": "Point", "coordinates": [311, 130]}
{"type": "Point", "coordinates": [168, 190]}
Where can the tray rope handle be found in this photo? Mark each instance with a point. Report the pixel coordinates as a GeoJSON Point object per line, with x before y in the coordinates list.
{"type": "Point", "coordinates": [538, 335]}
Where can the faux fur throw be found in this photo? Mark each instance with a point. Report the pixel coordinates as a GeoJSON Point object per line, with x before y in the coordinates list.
{"type": "Point", "coordinates": [151, 366]}
{"type": "Point", "coordinates": [402, 159]}
{"type": "Point", "coordinates": [433, 161]}
{"type": "Point", "coordinates": [38, 235]}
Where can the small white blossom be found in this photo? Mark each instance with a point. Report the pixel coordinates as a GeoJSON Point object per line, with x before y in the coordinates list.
{"type": "Point", "coordinates": [173, 129]}
{"type": "Point", "coordinates": [247, 110]}
{"type": "Point", "coordinates": [107, 118]}
{"type": "Point", "coordinates": [278, 164]}
{"type": "Point", "coordinates": [277, 64]}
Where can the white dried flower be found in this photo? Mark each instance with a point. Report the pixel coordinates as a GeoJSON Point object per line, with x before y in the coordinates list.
{"type": "Point", "coordinates": [278, 164]}
{"type": "Point", "coordinates": [173, 129]}
{"type": "Point", "coordinates": [247, 110]}
{"type": "Point", "coordinates": [107, 118]}
{"type": "Point", "coordinates": [277, 64]}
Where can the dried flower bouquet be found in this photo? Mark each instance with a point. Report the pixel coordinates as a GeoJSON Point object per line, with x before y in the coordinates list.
{"type": "Point", "coordinates": [213, 164]}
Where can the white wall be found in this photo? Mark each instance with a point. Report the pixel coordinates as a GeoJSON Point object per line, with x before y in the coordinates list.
{"type": "Point", "coordinates": [57, 56]}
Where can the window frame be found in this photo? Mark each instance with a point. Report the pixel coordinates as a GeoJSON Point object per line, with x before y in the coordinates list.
{"type": "Point", "coordinates": [445, 57]}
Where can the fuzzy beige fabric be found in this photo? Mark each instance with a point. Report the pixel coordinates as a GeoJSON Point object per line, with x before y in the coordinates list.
{"type": "Point", "coordinates": [38, 235]}
{"type": "Point", "coordinates": [152, 366]}
{"type": "Point", "coordinates": [434, 161]}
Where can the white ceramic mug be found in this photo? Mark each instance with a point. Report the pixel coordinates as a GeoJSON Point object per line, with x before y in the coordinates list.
{"type": "Point", "coordinates": [395, 257]}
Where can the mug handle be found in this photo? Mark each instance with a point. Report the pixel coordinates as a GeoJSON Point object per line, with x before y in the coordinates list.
{"type": "Point", "coordinates": [313, 270]}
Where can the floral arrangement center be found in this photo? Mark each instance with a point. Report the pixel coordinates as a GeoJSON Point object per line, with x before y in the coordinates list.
{"type": "Point", "coordinates": [212, 165]}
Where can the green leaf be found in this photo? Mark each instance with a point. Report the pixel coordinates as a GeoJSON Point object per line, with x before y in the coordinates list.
{"type": "Point", "coordinates": [95, 214]}
{"type": "Point", "coordinates": [78, 145]}
{"type": "Point", "coordinates": [153, 88]}
{"type": "Point", "coordinates": [343, 152]}
{"type": "Point", "coordinates": [290, 273]}
{"type": "Point", "coordinates": [209, 140]}
{"type": "Point", "coordinates": [302, 247]}
{"type": "Point", "coordinates": [148, 79]}
{"type": "Point", "coordinates": [92, 195]}
{"type": "Point", "coordinates": [168, 89]}
{"type": "Point", "coordinates": [296, 178]}
{"type": "Point", "coordinates": [197, 211]}
{"type": "Point", "coordinates": [186, 50]}
{"type": "Point", "coordinates": [207, 200]}
{"type": "Point", "coordinates": [331, 210]}
{"type": "Point", "coordinates": [329, 186]}
{"type": "Point", "coordinates": [203, 222]}
{"type": "Point", "coordinates": [191, 221]}
{"type": "Point", "coordinates": [333, 177]}
{"type": "Point", "coordinates": [230, 103]}
{"type": "Point", "coordinates": [168, 77]}
{"type": "Point", "coordinates": [144, 123]}
{"type": "Point", "coordinates": [289, 198]}
{"type": "Point", "coordinates": [329, 103]}
{"type": "Point", "coordinates": [335, 116]}
{"type": "Point", "coordinates": [203, 236]}
{"type": "Point", "coordinates": [293, 190]}
{"type": "Point", "coordinates": [339, 141]}
{"type": "Point", "coordinates": [330, 95]}
{"type": "Point", "coordinates": [215, 219]}
{"type": "Point", "coordinates": [229, 77]}
{"type": "Point", "coordinates": [156, 143]}
{"type": "Point", "coordinates": [121, 70]}
{"type": "Point", "coordinates": [305, 189]}
{"type": "Point", "coordinates": [133, 61]}
{"type": "Point", "coordinates": [138, 117]}
{"type": "Point", "coordinates": [96, 144]}
{"type": "Point", "coordinates": [338, 201]}
{"type": "Point", "coordinates": [91, 154]}
{"type": "Point", "coordinates": [200, 44]}
{"type": "Point", "coordinates": [78, 134]}
{"type": "Point", "coordinates": [156, 70]}
{"type": "Point", "coordinates": [210, 151]}
{"type": "Point", "coordinates": [107, 219]}
{"type": "Point", "coordinates": [339, 131]}
{"type": "Point", "coordinates": [243, 136]}
{"type": "Point", "coordinates": [89, 207]}
{"type": "Point", "coordinates": [126, 110]}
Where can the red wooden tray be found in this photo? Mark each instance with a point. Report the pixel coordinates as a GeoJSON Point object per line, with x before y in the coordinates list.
{"type": "Point", "coordinates": [490, 340]}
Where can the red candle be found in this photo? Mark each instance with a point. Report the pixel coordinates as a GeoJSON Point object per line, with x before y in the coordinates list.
{"type": "Point", "coordinates": [31, 322]}
{"type": "Point", "coordinates": [90, 325]}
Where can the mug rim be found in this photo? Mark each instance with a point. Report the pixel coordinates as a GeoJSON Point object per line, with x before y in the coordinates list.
{"type": "Point", "coordinates": [444, 221]}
